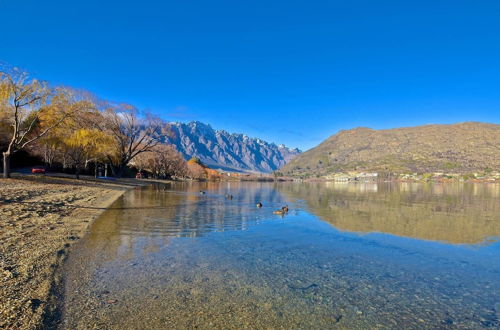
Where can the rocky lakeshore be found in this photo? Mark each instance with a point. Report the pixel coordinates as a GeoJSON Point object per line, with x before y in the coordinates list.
{"type": "Point", "coordinates": [40, 218]}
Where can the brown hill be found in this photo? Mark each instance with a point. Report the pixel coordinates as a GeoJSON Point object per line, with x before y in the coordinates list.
{"type": "Point", "coordinates": [460, 148]}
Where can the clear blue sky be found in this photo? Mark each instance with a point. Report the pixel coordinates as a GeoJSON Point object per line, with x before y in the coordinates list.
{"type": "Point", "coordinates": [287, 71]}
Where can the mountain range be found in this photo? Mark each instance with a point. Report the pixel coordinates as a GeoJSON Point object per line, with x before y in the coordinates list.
{"type": "Point", "coordinates": [227, 151]}
{"type": "Point", "coordinates": [457, 148]}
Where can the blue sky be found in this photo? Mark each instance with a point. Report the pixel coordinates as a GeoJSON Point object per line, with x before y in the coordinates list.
{"type": "Point", "coordinates": [290, 72]}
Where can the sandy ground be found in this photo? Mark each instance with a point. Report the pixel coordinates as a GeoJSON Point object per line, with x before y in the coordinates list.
{"type": "Point", "coordinates": [40, 218]}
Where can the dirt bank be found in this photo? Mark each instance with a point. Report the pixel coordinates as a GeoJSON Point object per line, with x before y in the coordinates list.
{"type": "Point", "coordinates": [40, 218]}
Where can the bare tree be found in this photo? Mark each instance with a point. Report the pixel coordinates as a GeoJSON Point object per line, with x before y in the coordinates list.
{"type": "Point", "coordinates": [164, 161]}
{"type": "Point", "coordinates": [133, 134]}
{"type": "Point", "coordinates": [144, 161]}
{"type": "Point", "coordinates": [47, 150]}
{"type": "Point", "coordinates": [174, 162]}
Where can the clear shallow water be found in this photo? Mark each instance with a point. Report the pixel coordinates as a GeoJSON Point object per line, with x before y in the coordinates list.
{"type": "Point", "coordinates": [346, 256]}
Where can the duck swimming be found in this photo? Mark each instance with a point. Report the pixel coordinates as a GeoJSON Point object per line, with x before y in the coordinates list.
{"type": "Point", "coordinates": [202, 192]}
{"type": "Point", "coordinates": [259, 204]}
{"type": "Point", "coordinates": [282, 211]}
{"type": "Point", "coordinates": [229, 196]}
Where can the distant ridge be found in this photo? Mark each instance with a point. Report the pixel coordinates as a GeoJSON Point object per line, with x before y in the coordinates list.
{"type": "Point", "coordinates": [457, 148]}
{"type": "Point", "coordinates": [228, 151]}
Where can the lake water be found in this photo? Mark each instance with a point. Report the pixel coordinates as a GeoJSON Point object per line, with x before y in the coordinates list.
{"type": "Point", "coordinates": [357, 256]}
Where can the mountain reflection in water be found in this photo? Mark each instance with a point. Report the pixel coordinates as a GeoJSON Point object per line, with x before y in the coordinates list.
{"type": "Point", "coordinates": [400, 256]}
{"type": "Point", "coordinates": [453, 213]}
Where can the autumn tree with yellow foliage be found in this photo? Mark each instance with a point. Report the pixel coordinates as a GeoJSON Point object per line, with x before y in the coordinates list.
{"type": "Point", "coordinates": [74, 128]}
{"type": "Point", "coordinates": [81, 137]}
{"type": "Point", "coordinates": [84, 145]}
{"type": "Point", "coordinates": [23, 101]}
{"type": "Point", "coordinates": [196, 169]}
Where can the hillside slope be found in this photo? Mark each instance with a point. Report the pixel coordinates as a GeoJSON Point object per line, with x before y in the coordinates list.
{"type": "Point", "coordinates": [220, 149]}
{"type": "Point", "coordinates": [463, 147]}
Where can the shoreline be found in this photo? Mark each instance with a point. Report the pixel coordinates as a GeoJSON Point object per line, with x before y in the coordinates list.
{"type": "Point", "coordinates": [40, 220]}
{"type": "Point", "coordinates": [395, 181]}
{"type": "Point", "coordinates": [51, 314]}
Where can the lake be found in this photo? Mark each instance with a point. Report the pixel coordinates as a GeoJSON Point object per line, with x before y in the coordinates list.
{"type": "Point", "coordinates": [384, 255]}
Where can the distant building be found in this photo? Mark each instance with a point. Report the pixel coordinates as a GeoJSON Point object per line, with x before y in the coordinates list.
{"type": "Point", "coordinates": [353, 177]}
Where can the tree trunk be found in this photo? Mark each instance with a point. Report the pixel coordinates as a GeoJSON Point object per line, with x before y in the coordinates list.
{"type": "Point", "coordinates": [119, 169]}
{"type": "Point", "coordinates": [6, 165]}
{"type": "Point", "coordinates": [113, 169]}
{"type": "Point", "coordinates": [119, 172]}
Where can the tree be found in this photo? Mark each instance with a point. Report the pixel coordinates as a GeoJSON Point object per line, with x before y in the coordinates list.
{"type": "Point", "coordinates": [144, 161]}
{"type": "Point", "coordinates": [131, 133]}
{"type": "Point", "coordinates": [162, 162]}
{"type": "Point", "coordinates": [4, 131]}
{"type": "Point", "coordinates": [65, 125]}
{"type": "Point", "coordinates": [84, 145]}
{"type": "Point", "coordinates": [22, 101]}
{"type": "Point", "coordinates": [174, 162]}
{"type": "Point", "coordinates": [48, 149]}
{"type": "Point", "coordinates": [196, 169]}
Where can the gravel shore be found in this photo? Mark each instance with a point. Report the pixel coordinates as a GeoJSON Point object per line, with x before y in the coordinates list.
{"type": "Point", "coordinates": [40, 218]}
